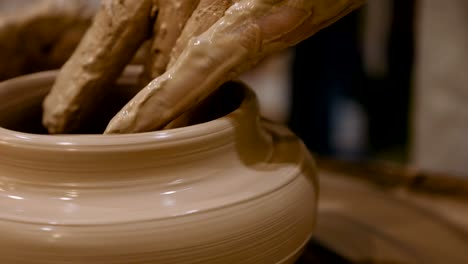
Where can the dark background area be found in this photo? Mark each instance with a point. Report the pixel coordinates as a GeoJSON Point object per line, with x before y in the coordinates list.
{"type": "Point", "coordinates": [328, 67]}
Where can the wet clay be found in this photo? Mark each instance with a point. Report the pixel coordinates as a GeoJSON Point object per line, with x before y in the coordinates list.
{"type": "Point", "coordinates": [118, 30]}
{"type": "Point", "coordinates": [249, 31]}
{"type": "Point", "coordinates": [171, 19]}
{"type": "Point", "coordinates": [28, 42]}
{"type": "Point", "coordinates": [24, 111]}
{"type": "Point", "coordinates": [206, 14]}
{"type": "Point", "coordinates": [233, 190]}
{"type": "Point", "coordinates": [207, 54]}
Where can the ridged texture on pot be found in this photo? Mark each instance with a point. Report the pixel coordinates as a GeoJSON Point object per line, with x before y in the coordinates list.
{"type": "Point", "coordinates": [234, 190]}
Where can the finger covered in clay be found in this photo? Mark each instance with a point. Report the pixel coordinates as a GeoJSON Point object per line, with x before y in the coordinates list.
{"type": "Point", "coordinates": [305, 19]}
{"type": "Point", "coordinates": [249, 31]}
{"type": "Point", "coordinates": [117, 31]}
{"type": "Point", "coordinates": [171, 18]}
{"type": "Point", "coordinates": [204, 16]}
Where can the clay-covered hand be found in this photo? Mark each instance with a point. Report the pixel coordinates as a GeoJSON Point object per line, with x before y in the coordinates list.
{"type": "Point", "coordinates": [196, 45]}
{"type": "Point", "coordinates": [119, 28]}
{"type": "Point", "coordinates": [27, 41]}
{"type": "Point", "coordinates": [248, 31]}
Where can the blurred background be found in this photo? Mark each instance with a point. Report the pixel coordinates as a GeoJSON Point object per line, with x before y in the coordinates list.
{"type": "Point", "coordinates": [349, 86]}
{"type": "Point", "coordinates": [384, 83]}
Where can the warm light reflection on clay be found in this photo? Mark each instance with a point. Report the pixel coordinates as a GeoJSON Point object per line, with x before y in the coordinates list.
{"type": "Point", "coordinates": [64, 143]}
{"type": "Point", "coordinates": [123, 198]}
{"type": "Point", "coordinates": [56, 235]}
{"type": "Point", "coordinates": [47, 228]}
{"type": "Point", "coordinates": [72, 193]}
{"type": "Point", "coordinates": [15, 197]}
{"type": "Point", "coordinates": [175, 182]}
{"type": "Point", "coordinates": [23, 137]}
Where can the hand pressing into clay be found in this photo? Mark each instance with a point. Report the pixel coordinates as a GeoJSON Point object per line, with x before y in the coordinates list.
{"type": "Point", "coordinates": [248, 31]}
{"type": "Point", "coordinates": [198, 47]}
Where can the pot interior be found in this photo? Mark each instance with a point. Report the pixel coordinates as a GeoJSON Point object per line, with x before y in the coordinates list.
{"type": "Point", "coordinates": [21, 109]}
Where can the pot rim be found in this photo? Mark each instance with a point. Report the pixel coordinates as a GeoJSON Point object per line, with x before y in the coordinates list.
{"type": "Point", "coordinates": [210, 128]}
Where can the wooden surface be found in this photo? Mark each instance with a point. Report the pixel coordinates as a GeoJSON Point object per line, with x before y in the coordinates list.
{"type": "Point", "coordinates": [442, 194]}
{"type": "Point", "coordinates": [401, 215]}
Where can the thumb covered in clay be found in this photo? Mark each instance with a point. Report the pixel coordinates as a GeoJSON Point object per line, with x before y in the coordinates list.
{"type": "Point", "coordinates": [249, 31]}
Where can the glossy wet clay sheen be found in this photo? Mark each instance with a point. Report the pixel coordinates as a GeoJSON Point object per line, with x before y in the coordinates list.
{"type": "Point", "coordinates": [217, 185]}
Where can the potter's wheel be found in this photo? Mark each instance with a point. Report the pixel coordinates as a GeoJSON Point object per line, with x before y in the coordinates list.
{"type": "Point", "coordinates": [360, 224]}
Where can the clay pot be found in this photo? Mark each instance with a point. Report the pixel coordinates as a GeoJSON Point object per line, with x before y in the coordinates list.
{"type": "Point", "coordinates": [236, 189]}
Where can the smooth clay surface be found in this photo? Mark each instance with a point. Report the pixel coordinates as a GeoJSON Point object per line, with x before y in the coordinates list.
{"type": "Point", "coordinates": [236, 189]}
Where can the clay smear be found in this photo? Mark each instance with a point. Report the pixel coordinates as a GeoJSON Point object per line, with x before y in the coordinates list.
{"type": "Point", "coordinates": [249, 31]}
{"type": "Point", "coordinates": [118, 30]}
{"type": "Point", "coordinates": [196, 46]}
{"type": "Point", "coordinates": [206, 14]}
{"type": "Point", "coordinates": [171, 19]}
